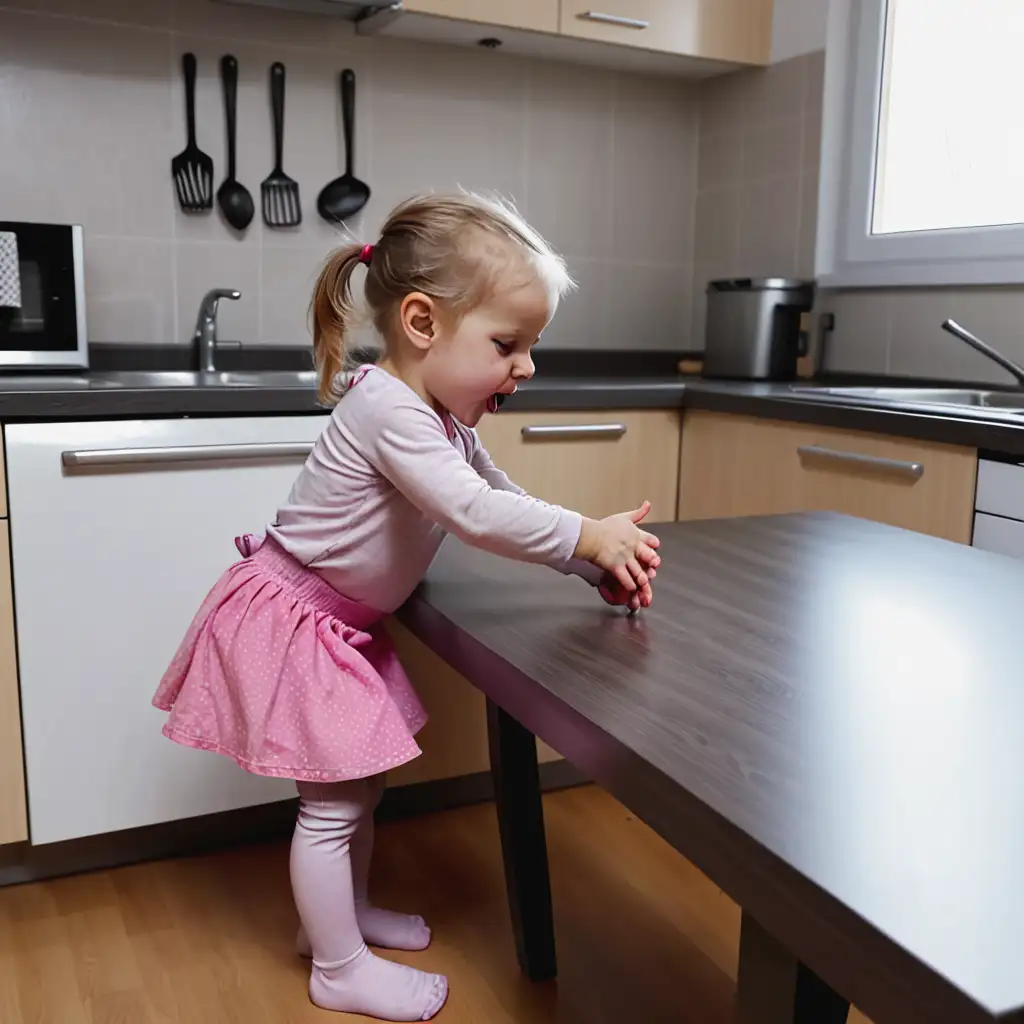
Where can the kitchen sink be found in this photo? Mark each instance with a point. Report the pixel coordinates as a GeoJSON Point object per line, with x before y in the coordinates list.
{"type": "Point", "coordinates": [973, 398]}
{"type": "Point", "coordinates": [215, 378]}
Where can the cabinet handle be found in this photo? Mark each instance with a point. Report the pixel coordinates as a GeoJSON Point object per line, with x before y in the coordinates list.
{"type": "Point", "coordinates": [613, 19]}
{"type": "Point", "coordinates": [574, 431]}
{"type": "Point", "coordinates": [895, 467]}
{"type": "Point", "coordinates": [192, 453]}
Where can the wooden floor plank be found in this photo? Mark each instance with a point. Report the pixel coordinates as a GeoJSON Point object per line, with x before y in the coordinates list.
{"type": "Point", "coordinates": [642, 935]}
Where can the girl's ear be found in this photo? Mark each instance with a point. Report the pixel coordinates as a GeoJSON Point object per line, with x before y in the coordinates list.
{"type": "Point", "coordinates": [418, 317]}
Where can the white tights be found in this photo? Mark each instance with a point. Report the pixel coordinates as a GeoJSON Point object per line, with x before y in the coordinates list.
{"type": "Point", "coordinates": [330, 864]}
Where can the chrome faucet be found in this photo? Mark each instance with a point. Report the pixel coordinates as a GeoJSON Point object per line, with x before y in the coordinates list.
{"type": "Point", "coordinates": [986, 350]}
{"type": "Point", "coordinates": [205, 337]}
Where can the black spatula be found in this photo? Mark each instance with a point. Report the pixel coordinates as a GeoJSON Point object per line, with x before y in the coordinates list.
{"type": "Point", "coordinates": [346, 195]}
{"type": "Point", "coordinates": [281, 205]}
{"type": "Point", "coordinates": [192, 169]}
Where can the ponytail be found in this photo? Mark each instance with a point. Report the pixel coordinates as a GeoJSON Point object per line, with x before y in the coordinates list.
{"type": "Point", "coordinates": [333, 312]}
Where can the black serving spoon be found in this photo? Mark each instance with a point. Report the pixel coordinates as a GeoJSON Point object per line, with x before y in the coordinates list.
{"type": "Point", "coordinates": [233, 198]}
{"type": "Point", "coordinates": [347, 195]}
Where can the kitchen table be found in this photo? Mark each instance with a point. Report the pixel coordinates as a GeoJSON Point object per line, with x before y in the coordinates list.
{"type": "Point", "coordinates": [822, 713]}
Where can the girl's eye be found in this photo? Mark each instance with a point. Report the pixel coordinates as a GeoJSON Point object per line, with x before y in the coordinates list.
{"type": "Point", "coordinates": [503, 347]}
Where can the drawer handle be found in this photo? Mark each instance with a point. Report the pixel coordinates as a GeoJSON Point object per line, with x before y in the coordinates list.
{"type": "Point", "coordinates": [895, 467]}
{"type": "Point", "coordinates": [613, 19]}
{"type": "Point", "coordinates": [194, 453]}
{"type": "Point", "coordinates": [573, 432]}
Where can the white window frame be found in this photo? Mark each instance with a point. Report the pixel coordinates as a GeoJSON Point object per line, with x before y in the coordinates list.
{"type": "Point", "coordinates": [847, 254]}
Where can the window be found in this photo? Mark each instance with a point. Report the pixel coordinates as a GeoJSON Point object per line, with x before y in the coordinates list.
{"type": "Point", "coordinates": [923, 145]}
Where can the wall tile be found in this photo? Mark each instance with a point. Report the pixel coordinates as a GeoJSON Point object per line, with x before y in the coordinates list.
{"type": "Point", "coordinates": [439, 123]}
{"type": "Point", "coordinates": [717, 230]}
{"type": "Point", "coordinates": [93, 151]}
{"type": "Point", "coordinates": [286, 284]}
{"type": "Point", "coordinates": [238, 22]}
{"type": "Point", "coordinates": [655, 170]}
{"type": "Point", "coordinates": [776, 91]}
{"type": "Point", "coordinates": [807, 238]}
{"type": "Point", "coordinates": [569, 157]}
{"type": "Point", "coordinates": [769, 227]}
{"type": "Point", "coordinates": [200, 266]}
{"type": "Point", "coordinates": [153, 13]}
{"type": "Point", "coordinates": [860, 341]}
{"type": "Point", "coordinates": [721, 156]}
{"type": "Point", "coordinates": [815, 80]}
{"type": "Point", "coordinates": [582, 318]}
{"type": "Point", "coordinates": [811, 145]}
{"type": "Point", "coordinates": [651, 307]}
{"type": "Point", "coordinates": [772, 148]}
{"type": "Point", "coordinates": [129, 284]}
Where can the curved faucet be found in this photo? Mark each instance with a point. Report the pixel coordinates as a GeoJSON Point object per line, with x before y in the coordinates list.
{"type": "Point", "coordinates": [205, 336]}
{"type": "Point", "coordinates": [986, 350]}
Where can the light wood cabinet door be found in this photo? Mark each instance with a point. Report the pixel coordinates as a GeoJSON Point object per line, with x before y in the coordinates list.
{"type": "Point", "coordinates": [596, 473]}
{"type": "Point", "coordinates": [742, 466]}
{"type": "Point", "coordinates": [596, 463]}
{"type": "Point", "coordinates": [537, 15]}
{"type": "Point", "coordinates": [13, 810]}
{"type": "Point", "coordinates": [728, 30]}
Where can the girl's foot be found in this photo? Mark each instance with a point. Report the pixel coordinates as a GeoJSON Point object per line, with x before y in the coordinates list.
{"type": "Point", "coordinates": [379, 988]}
{"type": "Point", "coordinates": [384, 928]}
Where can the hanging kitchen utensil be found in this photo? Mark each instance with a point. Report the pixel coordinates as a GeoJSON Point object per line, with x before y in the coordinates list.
{"type": "Point", "coordinates": [347, 195]}
{"type": "Point", "coordinates": [281, 206]}
{"type": "Point", "coordinates": [233, 197]}
{"type": "Point", "coordinates": [192, 169]}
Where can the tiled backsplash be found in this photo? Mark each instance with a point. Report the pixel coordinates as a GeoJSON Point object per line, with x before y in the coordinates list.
{"type": "Point", "coordinates": [757, 185]}
{"type": "Point", "coordinates": [604, 163]}
{"type": "Point", "coordinates": [757, 189]}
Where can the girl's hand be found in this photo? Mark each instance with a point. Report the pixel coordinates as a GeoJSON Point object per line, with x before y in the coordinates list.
{"type": "Point", "coordinates": [618, 546]}
{"type": "Point", "coordinates": [614, 593]}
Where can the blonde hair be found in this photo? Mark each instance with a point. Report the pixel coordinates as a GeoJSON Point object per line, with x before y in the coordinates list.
{"type": "Point", "coordinates": [430, 244]}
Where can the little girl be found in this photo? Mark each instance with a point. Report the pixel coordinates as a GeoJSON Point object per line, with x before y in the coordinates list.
{"type": "Point", "coordinates": [287, 668]}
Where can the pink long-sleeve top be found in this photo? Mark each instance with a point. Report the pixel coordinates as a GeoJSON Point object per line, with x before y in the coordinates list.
{"type": "Point", "coordinates": [388, 479]}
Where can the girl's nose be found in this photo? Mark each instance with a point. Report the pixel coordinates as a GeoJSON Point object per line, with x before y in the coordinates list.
{"type": "Point", "coordinates": [523, 368]}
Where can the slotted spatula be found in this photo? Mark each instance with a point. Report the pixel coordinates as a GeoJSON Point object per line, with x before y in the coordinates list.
{"type": "Point", "coordinates": [192, 169]}
{"type": "Point", "coordinates": [281, 205]}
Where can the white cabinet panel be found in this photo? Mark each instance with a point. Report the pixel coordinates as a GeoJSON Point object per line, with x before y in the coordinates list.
{"type": "Point", "coordinates": [1000, 488]}
{"type": "Point", "coordinates": [110, 564]}
{"type": "Point", "coordinates": [1004, 536]}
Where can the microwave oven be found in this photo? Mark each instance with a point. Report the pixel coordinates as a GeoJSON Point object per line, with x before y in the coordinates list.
{"type": "Point", "coordinates": [42, 297]}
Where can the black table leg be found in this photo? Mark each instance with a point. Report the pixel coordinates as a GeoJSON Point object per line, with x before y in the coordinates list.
{"type": "Point", "coordinates": [521, 823]}
{"type": "Point", "coordinates": [775, 988]}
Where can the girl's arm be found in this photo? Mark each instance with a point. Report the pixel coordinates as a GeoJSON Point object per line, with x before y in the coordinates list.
{"type": "Point", "coordinates": [481, 461]}
{"type": "Point", "coordinates": [407, 444]}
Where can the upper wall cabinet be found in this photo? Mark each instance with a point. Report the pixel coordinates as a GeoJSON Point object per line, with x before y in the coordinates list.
{"type": "Point", "coordinates": [536, 15]}
{"type": "Point", "coordinates": [726, 30]}
{"type": "Point", "coordinates": [687, 38]}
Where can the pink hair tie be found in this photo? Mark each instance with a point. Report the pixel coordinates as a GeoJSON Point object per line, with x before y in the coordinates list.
{"type": "Point", "coordinates": [366, 255]}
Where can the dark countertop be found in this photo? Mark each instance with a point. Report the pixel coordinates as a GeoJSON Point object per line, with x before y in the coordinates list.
{"type": "Point", "coordinates": [121, 395]}
{"type": "Point", "coordinates": [819, 711]}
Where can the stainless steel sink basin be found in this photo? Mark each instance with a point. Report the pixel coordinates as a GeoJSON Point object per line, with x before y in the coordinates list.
{"type": "Point", "coordinates": [972, 398]}
{"type": "Point", "coordinates": [218, 378]}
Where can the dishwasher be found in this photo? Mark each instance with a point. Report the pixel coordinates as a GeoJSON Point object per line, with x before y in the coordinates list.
{"type": "Point", "coordinates": [999, 506]}
{"type": "Point", "coordinates": [118, 530]}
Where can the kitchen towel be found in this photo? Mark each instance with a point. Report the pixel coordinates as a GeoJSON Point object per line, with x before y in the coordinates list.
{"type": "Point", "coordinates": [10, 271]}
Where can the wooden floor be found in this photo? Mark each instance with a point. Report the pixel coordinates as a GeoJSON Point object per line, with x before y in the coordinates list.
{"type": "Point", "coordinates": [208, 940]}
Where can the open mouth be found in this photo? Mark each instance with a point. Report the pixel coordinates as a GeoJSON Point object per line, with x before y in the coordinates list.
{"type": "Point", "coordinates": [495, 402]}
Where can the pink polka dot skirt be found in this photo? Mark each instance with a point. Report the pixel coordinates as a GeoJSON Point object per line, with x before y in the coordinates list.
{"type": "Point", "coordinates": [290, 679]}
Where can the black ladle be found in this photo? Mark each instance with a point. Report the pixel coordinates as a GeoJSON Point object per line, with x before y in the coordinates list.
{"type": "Point", "coordinates": [233, 197]}
{"type": "Point", "coordinates": [347, 195]}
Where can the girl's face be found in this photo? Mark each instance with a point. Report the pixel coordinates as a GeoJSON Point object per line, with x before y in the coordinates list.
{"type": "Point", "coordinates": [487, 353]}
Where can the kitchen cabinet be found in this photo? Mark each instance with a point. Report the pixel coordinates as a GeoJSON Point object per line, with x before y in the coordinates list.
{"type": "Point", "coordinates": [726, 30]}
{"type": "Point", "coordinates": [595, 462]}
{"type": "Point", "coordinates": [110, 564]}
{"type": "Point", "coordinates": [738, 466]}
{"type": "Point", "coordinates": [537, 15]}
{"type": "Point", "coordinates": [13, 811]}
